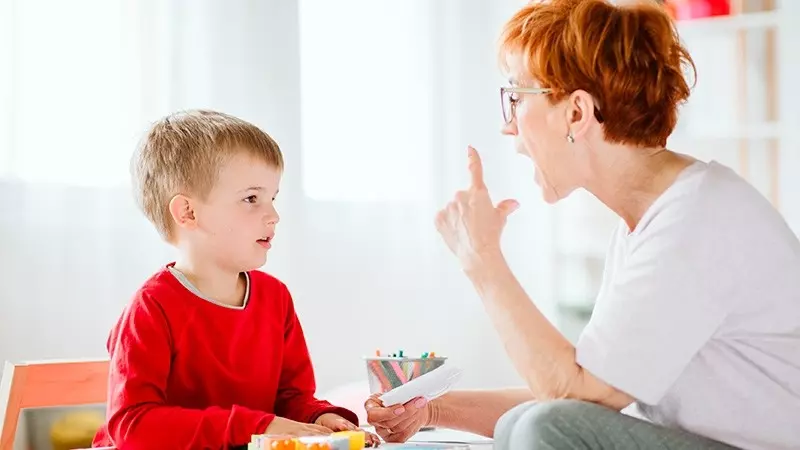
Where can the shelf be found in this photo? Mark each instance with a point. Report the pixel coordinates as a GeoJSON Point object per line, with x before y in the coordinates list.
{"type": "Point", "coordinates": [738, 22]}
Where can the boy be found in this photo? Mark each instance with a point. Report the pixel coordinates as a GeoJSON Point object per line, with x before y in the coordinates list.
{"type": "Point", "coordinates": [210, 351]}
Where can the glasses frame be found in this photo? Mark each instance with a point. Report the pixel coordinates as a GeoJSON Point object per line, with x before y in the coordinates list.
{"type": "Point", "coordinates": [512, 104]}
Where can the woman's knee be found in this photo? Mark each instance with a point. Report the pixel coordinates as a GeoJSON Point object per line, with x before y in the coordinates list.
{"type": "Point", "coordinates": [510, 418]}
{"type": "Point", "coordinates": [542, 425]}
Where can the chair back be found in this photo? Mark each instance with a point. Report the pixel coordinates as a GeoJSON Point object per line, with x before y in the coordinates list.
{"type": "Point", "coordinates": [45, 384]}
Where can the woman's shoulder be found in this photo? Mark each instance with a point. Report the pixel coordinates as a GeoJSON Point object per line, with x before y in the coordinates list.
{"type": "Point", "coordinates": [714, 212]}
{"type": "Point", "coordinates": [711, 195]}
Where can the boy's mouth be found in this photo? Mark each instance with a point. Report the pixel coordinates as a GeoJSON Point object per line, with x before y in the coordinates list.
{"type": "Point", "coordinates": [265, 242]}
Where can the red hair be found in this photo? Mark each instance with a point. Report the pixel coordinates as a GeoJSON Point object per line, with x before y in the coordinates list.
{"type": "Point", "coordinates": [629, 58]}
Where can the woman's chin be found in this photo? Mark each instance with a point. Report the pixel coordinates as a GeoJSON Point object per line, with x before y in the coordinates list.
{"type": "Point", "coordinates": [549, 194]}
{"type": "Point", "coordinates": [550, 197]}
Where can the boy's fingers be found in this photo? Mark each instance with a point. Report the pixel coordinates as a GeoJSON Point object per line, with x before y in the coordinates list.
{"type": "Point", "coordinates": [320, 429]}
{"type": "Point", "coordinates": [347, 425]}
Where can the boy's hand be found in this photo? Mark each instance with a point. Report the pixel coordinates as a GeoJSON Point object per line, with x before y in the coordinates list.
{"type": "Point", "coordinates": [279, 425]}
{"type": "Point", "coordinates": [338, 423]}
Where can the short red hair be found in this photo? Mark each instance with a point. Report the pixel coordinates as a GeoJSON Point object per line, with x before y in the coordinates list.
{"type": "Point", "coordinates": [629, 58]}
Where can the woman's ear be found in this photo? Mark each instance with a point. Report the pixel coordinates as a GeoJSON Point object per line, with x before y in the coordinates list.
{"type": "Point", "coordinates": [580, 113]}
{"type": "Point", "coordinates": [182, 212]}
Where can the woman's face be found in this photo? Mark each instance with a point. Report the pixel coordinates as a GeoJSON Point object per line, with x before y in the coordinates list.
{"type": "Point", "coordinates": [541, 130]}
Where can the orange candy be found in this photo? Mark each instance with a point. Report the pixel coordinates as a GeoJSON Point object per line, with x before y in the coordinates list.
{"type": "Point", "coordinates": [282, 444]}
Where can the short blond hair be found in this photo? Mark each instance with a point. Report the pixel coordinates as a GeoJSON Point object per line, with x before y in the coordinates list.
{"type": "Point", "coordinates": [183, 153]}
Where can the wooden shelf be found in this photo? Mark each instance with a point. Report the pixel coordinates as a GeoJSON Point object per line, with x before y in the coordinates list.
{"type": "Point", "coordinates": [733, 23]}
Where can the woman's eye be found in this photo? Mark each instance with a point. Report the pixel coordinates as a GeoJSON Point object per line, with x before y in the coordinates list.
{"type": "Point", "coordinates": [514, 97]}
{"type": "Point", "coordinates": [251, 199]}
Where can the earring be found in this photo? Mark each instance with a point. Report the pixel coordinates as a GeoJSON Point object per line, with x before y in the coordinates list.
{"type": "Point", "coordinates": [570, 138]}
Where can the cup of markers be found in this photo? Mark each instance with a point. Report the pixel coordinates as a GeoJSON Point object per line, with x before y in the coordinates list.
{"type": "Point", "coordinates": [388, 371]}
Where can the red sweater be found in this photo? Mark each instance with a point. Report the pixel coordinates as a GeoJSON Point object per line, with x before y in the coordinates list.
{"type": "Point", "coordinates": [188, 373]}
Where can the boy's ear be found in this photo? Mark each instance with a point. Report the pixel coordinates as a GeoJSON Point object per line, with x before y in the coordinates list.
{"type": "Point", "coordinates": [182, 212]}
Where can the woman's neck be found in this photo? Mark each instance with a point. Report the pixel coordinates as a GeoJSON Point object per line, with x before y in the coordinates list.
{"type": "Point", "coordinates": [628, 180]}
{"type": "Point", "coordinates": [221, 285]}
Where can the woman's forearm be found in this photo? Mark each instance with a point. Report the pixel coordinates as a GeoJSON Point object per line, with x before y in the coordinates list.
{"type": "Point", "coordinates": [475, 411]}
{"type": "Point", "coordinates": [541, 354]}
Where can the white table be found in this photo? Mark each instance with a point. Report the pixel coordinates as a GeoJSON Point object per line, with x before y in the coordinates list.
{"type": "Point", "coordinates": [446, 436]}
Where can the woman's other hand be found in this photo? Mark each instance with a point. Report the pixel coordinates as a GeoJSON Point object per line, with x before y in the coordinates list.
{"type": "Point", "coordinates": [470, 224]}
{"type": "Point", "coordinates": [399, 422]}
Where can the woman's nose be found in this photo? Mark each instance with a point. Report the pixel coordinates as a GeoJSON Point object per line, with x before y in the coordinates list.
{"type": "Point", "coordinates": [510, 129]}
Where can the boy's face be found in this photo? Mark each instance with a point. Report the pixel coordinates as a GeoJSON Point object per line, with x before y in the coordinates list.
{"type": "Point", "coordinates": [235, 224]}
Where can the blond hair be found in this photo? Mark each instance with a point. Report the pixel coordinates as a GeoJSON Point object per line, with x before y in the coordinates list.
{"type": "Point", "coordinates": [182, 154]}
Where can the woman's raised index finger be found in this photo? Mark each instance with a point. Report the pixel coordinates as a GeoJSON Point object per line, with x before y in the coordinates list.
{"type": "Point", "coordinates": [475, 168]}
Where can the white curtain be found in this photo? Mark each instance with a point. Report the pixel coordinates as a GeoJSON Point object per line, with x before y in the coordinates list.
{"type": "Point", "coordinates": [373, 104]}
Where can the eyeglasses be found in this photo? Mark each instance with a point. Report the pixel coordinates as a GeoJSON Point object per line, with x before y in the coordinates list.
{"type": "Point", "coordinates": [509, 97]}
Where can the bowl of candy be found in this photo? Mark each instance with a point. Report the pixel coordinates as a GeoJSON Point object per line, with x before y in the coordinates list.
{"type": "Point", "coordinates": [386, 372]}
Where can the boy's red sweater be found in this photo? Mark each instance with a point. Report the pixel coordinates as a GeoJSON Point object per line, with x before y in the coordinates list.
{"type": "Point", "coordinates": [188, 373]}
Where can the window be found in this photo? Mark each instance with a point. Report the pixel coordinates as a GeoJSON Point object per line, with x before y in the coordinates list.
{"type": "Point", "coordinates": [69, 90]}
{"type": "Point", "coordinates": [366, 90]}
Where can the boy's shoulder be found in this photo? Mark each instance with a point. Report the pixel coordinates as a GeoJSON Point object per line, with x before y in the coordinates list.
{"type": "Point", "coordinates": [159, 294]}
{"type": "Point", "coordinates": [265, 285]}
{"type": "Point", "coordinates": [266, 281]}
{"type": "Point", "coordinates": [159, 286]}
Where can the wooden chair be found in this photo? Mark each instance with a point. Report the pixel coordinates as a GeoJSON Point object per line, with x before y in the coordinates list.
{"type": "Point", "coordinates": [45, 384]}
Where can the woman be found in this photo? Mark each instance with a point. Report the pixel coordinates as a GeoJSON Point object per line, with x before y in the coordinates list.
{"type": "Point", "coordinates": [696, 329]}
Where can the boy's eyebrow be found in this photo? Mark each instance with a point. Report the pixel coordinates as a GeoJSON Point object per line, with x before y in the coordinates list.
{"type": "Point", "coordinates": [258, 188]}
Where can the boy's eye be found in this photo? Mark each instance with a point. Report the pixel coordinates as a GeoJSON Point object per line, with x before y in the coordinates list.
{"type": "Point", "coordinates": [251, 199]}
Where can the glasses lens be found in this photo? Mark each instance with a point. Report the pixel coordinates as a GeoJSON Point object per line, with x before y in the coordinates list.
{"type": "Point", "coordinates": [505, 100]}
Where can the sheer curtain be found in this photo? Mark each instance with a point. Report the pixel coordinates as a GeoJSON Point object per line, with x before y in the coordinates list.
{"type": "Point", "coordinates": [373, 104]}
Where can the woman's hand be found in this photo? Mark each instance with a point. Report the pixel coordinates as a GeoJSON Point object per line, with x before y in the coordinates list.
{"type": "Point", "coordinates": [335, 422]}
{"type": "Point", "coordinates": [470, 224]}
{"type": "Point", "coordinates": [399, 422]}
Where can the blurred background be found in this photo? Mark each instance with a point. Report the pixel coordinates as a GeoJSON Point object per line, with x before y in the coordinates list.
{"type": "Point", "coordinates": [373, 103]}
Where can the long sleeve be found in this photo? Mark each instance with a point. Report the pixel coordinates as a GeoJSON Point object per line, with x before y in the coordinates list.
{"type": "Point", "coordinates": [138, 417]}
{"type": "Point", "coordinates": [296, 392]}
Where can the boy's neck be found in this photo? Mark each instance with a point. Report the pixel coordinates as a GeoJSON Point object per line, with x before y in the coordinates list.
{"type": "Point", "coordinates": [214, 282]}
